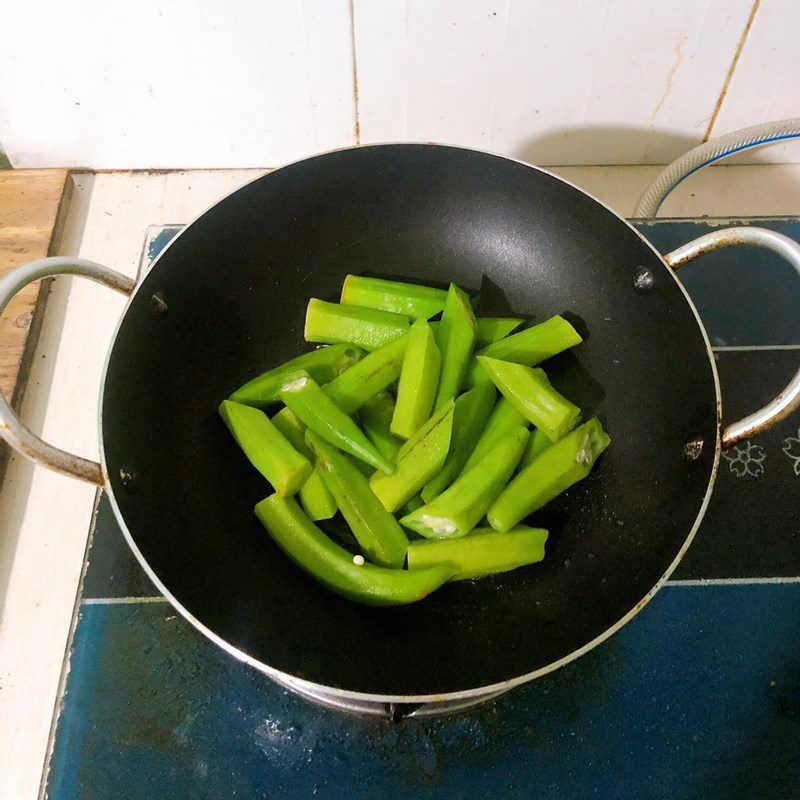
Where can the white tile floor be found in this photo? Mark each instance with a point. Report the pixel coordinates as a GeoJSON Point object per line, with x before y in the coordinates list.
{"type": "Point", "coordinates": [44, 517]}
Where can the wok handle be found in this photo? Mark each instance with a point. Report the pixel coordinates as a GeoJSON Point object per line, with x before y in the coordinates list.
{"type": "Point", "coordinates": [12, 429]}
{"type": "Point", "coordinates": [789, 399]}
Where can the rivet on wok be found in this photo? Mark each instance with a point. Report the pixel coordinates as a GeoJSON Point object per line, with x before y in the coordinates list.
{"type": "Point", "coordinates": [693, 448]}
{"type": "Point", "coordinates": [158, 306]}
{"type": "Point", "coordinates": [129, 478]}
{"type": "Point", "coordinates": [643, 280]}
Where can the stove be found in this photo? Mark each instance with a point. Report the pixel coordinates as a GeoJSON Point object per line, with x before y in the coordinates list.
{"type": "Point", "coordinates": [697, 697]}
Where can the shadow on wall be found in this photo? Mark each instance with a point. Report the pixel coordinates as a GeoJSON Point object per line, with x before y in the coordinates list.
{"type": "Point", "coordinates": [604, 144]}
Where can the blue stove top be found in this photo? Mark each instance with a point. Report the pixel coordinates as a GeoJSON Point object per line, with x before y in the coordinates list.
{"type": "Point", "coordinates": [698, 697]}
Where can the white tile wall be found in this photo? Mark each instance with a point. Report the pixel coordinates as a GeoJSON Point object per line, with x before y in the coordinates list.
{"type": "Point", "coordinates": [580, 81]}
{"type": "Point", "coordinates": [177, 84]}
{"type": "Point", "coordinates": [766, 83]}
{"type": "Point", "coordinates": [211, 83]}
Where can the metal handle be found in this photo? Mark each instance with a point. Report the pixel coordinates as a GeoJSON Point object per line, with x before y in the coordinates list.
{"type": "Point", "coordinates": [11, 428]}
{"type": "Point", "coordinates": [789, 399]}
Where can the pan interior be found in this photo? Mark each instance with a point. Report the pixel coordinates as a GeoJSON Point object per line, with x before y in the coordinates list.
{"type": "Point", "coordinates": [236, 284]}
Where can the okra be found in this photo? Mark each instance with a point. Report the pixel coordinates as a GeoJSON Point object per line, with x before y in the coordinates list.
{"type": "Point", "coordinates": [529, 347]}
{"type": "Point", "coordinates": [376, 417]}
{"type": "Point", "coordinates": [470, 414]}
{"type": "Point", "coordinates": [316, 498]}
{"type": "Point", "coordinates": [555, 470]}
{"type": "Point", "coordinates": [418, 460]}
{"type": "Point", "coordinates": [377, 531]}
{"type": "Point", "coordinates": [337, 569]}
{"type": "Point", "coordinates": [537, 444]}
{"type": "Point", "coordinates": [418, 380]}
{"type": "Point", "coordinates": [483, 552]}
{"type": "Point", "coordinates": [461, 506]}
{"type": "Point", "coordinates": [363, 327]}
{"type": "Point", "coordinates": [303, 395]}
{"type": "Point", "coordinates": [503, 419]}
{"type": "Point", "coordinates": [322, 365]}
{"type": "Point", "coordinates": [266, 447]}
{"type": "Point", "coordinates": [412, 505]}
{"type": "Point", "coordinates": [370, 375]}
{"type": "Point", "coordinates": [409, 299]}
{"type": "Point", "coordinates": [456, 338]}
{"type": "Point", "coordinates": [530, 392]}
{"type": "Point", "coordinates": [490, 329]}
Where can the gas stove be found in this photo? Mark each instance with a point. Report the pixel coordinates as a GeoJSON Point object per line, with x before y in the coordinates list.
{"type": "Point", "coordinates": [699, 696]}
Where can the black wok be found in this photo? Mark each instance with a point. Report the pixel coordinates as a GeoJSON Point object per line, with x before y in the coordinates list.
{"type": "Point", "coordinates": [226, 300]}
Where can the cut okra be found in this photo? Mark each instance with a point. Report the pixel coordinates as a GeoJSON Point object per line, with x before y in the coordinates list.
{"type": "Point", "coordinates": [418, 380]}
{"type": "Point", "coordinates": [529, 347]}
{"type": "Point", "coordinates": [483, 552]}
{"type": "Point", "coordinates": [322, 365]}
{"type": "Point", "coordinates": [316, 498]}
{"type": "Point", "coordinates": [537, 444]}
{"type": "Point", "coordinates": [530, 392]}
{"type": "Point", "coordinates": [412, 505]}
{"type": "Point", "coordinates": [370, 375]}
{"type": "Point", "coordinates": [409, 299]}
{"type": "Point", "coordinates": [460, 507]}
{"type": "Point", "coordinates": [418, 460]}
{"type": "Point", "coordinates": [376, 417]}
{"type": "Point", "coordinates": [303, 395]}
{"type": "Point", "coordinates": [266, 447]}
{"type": "Point", "coordinates": [456, 338]}
{"type": "Point", "coordinates": [555, 470]}
{"type": "Point", "coordinates": [337, 569]}
{"type": "Point", "coordinates": [288, 423]}
{"type": "Point", "coordinates": [470, 415]}
{"type": "Point", "coordinates": [490, 329]}
{"type": "Point", "coordinates": [503, 419]}
{"type": "Point", "coordinates": [377, 531]}
{"type": "Point", "coordinates": [363, 327]}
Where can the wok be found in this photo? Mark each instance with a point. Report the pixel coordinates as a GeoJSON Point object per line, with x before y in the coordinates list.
{"type": "Point", "coordinates": [226, 300]}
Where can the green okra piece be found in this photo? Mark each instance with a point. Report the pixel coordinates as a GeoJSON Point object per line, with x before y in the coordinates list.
{"type": "Point", "coordinates": [418, 460]}
{"type": "Point", "coordinates": [409, 299]}
{"type": "Point", "coordinates": [323, 365]}
{"type": "Point", "coordinates": [373, 373]}
{"type": "Point", "coordinates": [316, 498]}
{"type": "Point", "coordinates": [376, 417]}
{"type": "Point", "coordinates": [419, 378]}
{"type": "Point", "coordinates": [456, 338]}
{"type": "Point", "coordinates": [377, 531]}
{"type": "Point", "coordinates": [470, 417]}
{"type": "Point", "coordinates": [266, 447]}
{"type": "Point", "coordinates": [537, 444]}
{"type": "Point", "coordinates": [288, 423]}
{"type": "Point", "coordinates": [364, 327]}
{"type": "Point", "coordinates": [529, 391]}
{"type": "Point", "coordinates": [337, 569]}
{"type": "Point", "coordinates": [457, 510]}
{"type": "Point", "coordinates": [529, 347]}
{"type": "Point", "coordinates": [490, 329]}
{"type": "Point", "coordinates": [483, 552]}
{"type": "Point", "coordinates": [412, 505]}
{"type": "Point", "coordinates": [504, 418]}
{"type": "Point", "coordinates": [303, 395]}
{"type": "Point", "coordinates": [555, 470]}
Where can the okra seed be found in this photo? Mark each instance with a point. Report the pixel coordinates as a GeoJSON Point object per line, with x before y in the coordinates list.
{"type": "Point", "coordinates": [358, 561]}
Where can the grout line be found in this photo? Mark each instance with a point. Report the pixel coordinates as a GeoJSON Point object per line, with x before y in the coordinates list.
{"type": "Point", "coordinates": [734, 348]}
{"type": "Point", "coordinates": [732, 69]}
{"type": "Point", "coordinates": [357, 130]}
{"type": "Point", "coordinates": [734, 581]}
{"type": "Point", "coordinates": [118, 601]}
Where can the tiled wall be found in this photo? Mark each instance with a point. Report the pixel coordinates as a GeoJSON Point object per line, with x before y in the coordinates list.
{"type": "Point", "coordinates": [210, 83]}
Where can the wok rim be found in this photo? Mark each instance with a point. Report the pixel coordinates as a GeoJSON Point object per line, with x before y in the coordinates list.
{"type": "Point", "coordinates": [310, 687]}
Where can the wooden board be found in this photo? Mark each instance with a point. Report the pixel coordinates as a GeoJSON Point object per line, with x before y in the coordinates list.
{"type": "Point", "coordinates": [31, 211]}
